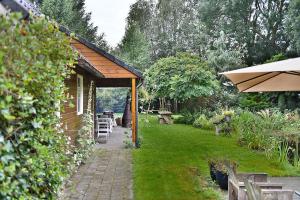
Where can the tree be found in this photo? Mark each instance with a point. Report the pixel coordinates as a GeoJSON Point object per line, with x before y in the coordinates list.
{"type": "Point", "coordinates": [294, 25]}
{"type": "Point", "coordinates": [175, 27]}
{"type": "Point", "coordinates": [181, 77]}
{"type": "Point", "coordinates": [72, 14]}
{"type": "Point", "coordinates": [256, 25]}
{"type": "Point", "coordinates": [222, 58]}
{"type": "Point", "coordinates": [111, 99]}
{"type": "Point", "coordinates": [134, 48]}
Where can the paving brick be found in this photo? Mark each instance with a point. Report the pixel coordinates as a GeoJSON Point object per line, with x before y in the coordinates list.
{"type": "Point", "coordinates": [106, 175]}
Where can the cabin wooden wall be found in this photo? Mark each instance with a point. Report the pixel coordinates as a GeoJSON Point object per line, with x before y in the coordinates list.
{"type": "Point", "coordinates": [70, 120]}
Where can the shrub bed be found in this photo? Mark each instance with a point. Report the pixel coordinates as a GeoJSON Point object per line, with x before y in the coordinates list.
{"type": "Point", "coordinates": [270, 131]}
{"type": "Point", "coordinates": [35, 59]}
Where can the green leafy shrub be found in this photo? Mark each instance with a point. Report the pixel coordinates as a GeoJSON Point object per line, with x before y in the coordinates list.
{"type": "Point", "coordinates": [254, 102]}
{"type": "Point", "coordinates": [253, 130]}
{"type": "Point", "coordinates": [186, 118]}
{"type": "Point", "coordinates": [270, 131]}
{"type": "Point", "coordinates": [203, 122]}
{"type": "Point", "coordinates": [181, 77]}
{"type": "Point", "coordinates": [34, 60]}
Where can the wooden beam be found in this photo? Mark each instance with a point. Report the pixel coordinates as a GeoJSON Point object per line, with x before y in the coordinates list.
{"type": "Point", "coordinates": [133, 109]}
{"type": "Point", "coordinates": [113, 82]}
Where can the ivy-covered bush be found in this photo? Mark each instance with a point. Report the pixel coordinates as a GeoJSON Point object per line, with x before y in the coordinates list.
{"type": "Point", "coordinates": [85, 138]}
{"type": "Point", "coordinates": [35, 59]}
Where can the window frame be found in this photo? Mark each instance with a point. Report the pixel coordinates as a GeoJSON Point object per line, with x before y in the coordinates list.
{"type": "Point", "coordinates": [79, 94]}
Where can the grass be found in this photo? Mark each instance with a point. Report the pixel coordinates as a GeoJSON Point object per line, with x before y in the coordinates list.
{"type": "Point", "coordinates": [172, 162]}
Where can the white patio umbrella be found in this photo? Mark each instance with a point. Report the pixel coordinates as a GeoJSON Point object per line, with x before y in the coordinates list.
{"type": "Point", "coordinates": [277, 76]}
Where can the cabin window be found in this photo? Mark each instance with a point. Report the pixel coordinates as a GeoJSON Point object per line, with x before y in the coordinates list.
{"type": "Point", "coordinates": [79, 94]}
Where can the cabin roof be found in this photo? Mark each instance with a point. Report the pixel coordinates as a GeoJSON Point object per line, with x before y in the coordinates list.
{"type": "Point", "coordinates": [104, 53]}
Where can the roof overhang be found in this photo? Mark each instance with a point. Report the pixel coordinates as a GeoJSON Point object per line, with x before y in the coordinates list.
{"type": "Point", "coordinates": [105, 54]}
{"type": "Point", "coordinates": [84, 64]}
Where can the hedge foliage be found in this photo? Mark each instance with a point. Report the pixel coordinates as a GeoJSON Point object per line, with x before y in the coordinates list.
{"type": "Point", "coordinates": [35, 59]}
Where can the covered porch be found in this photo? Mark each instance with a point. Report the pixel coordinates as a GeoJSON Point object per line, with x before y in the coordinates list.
{"type": "Point", "coordinates": [114, 74]}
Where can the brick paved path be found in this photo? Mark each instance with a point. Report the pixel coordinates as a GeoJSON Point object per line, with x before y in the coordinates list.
{"type": "Point", "coordinates": [107, 175]}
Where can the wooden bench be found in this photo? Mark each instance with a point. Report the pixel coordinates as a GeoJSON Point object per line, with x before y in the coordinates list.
{"type": "Point", "coordinates": [240, 184]}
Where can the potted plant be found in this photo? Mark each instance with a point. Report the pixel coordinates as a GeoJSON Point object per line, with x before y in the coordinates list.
{"type": "Point", "coordinates": [212, 169]}
{"type": "Point", "coordinates": [228, 115]}
{"type": "Point", "coordinates": [222, 176]}
{"type": "Point", "coordinates": [217, 121]}
{"type": "Point", "coordinates": [219, 171]}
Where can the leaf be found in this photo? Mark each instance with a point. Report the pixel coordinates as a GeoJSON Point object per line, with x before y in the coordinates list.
{"type": "Point", "coordinates": [32, 110]}
{"type": "Point", "coordinates": [1, 139]}
{"type": "Point", "coordinates": [6, 158]}
{"type": "Point", "coordinates": [36, 125]}
{"type": "Point", "coordinates": [6, 114]}
{"type": "Point", "coordinates": [8, 99]}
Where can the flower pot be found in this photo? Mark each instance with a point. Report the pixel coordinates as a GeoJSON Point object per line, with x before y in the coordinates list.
{"type": "Point", "coordinates": [212, 171]}
{"type": "Point", "coordinates": [222, 179]}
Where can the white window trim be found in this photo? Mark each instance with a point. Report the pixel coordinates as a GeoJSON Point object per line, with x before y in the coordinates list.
{"type": "Point", "coordinates": [79, 112]}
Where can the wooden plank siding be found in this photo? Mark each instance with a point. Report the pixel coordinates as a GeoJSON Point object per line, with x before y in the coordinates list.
{"type": "Point", "coordinates": [71, 121]}
{"type": "Point", "coordinates": [107, 67]}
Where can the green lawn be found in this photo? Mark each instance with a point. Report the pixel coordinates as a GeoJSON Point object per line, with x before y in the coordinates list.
{"type": "Point", "coordinates": [165, 167]}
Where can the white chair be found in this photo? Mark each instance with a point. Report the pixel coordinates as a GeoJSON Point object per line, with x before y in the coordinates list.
{"type": "Point", "coordinates": [109, 121]}
{"type": "Point", "coordinates": [103, 129]}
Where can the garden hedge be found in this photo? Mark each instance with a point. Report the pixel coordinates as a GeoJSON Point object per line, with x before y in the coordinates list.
{"type": "Point", "coordinates": [35, 59]}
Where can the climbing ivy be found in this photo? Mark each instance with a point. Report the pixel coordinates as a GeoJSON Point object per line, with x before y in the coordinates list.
{"type": "Point", "coordinates": [85, 138]}
{"type": "Point", "coordinates": [35, 59]}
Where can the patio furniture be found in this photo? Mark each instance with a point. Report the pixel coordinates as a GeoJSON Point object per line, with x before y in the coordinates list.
{"type": "Point", "coordinates": [111, 115]}
{"type": "Point", "coordinates": [103, 129]}
{"type": "Point", "coordinates": [108, 121]}
{"type": "Point", "coordinates": [165, 117]}
{"type": "Point", "coordinates": [239, 186]}
{"type": "Point", "coordinates": [256, 192]}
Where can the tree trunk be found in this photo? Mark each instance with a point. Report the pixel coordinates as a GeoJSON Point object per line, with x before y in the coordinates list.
{"type": "Point", "coordinates": [175, 106]}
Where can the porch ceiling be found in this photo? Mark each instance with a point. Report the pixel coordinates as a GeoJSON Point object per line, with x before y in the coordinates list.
{"type": "Point", "coordinates": [113, 82]}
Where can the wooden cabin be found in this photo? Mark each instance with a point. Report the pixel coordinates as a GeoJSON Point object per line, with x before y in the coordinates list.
{"type": "Point", "coordinates": [98, 68]}
{"type": "Point", "coordinates": [95, 68]}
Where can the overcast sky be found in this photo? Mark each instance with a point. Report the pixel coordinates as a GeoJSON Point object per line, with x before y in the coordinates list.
{"type": "Point", "coordinates": [110, 16]}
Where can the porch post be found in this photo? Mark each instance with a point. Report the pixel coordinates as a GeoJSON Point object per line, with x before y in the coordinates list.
{"type": "Point", "coordinates": [133, 109]}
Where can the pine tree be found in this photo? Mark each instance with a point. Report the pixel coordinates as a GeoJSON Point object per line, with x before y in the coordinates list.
{"type": "Point", "coordinates": [72, 14]}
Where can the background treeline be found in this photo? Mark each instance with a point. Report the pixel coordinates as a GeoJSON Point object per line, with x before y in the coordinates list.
{"type": "Point", "coordinates": [223, 34]}
{"type": "Point", "coordinates": [256, 29]}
